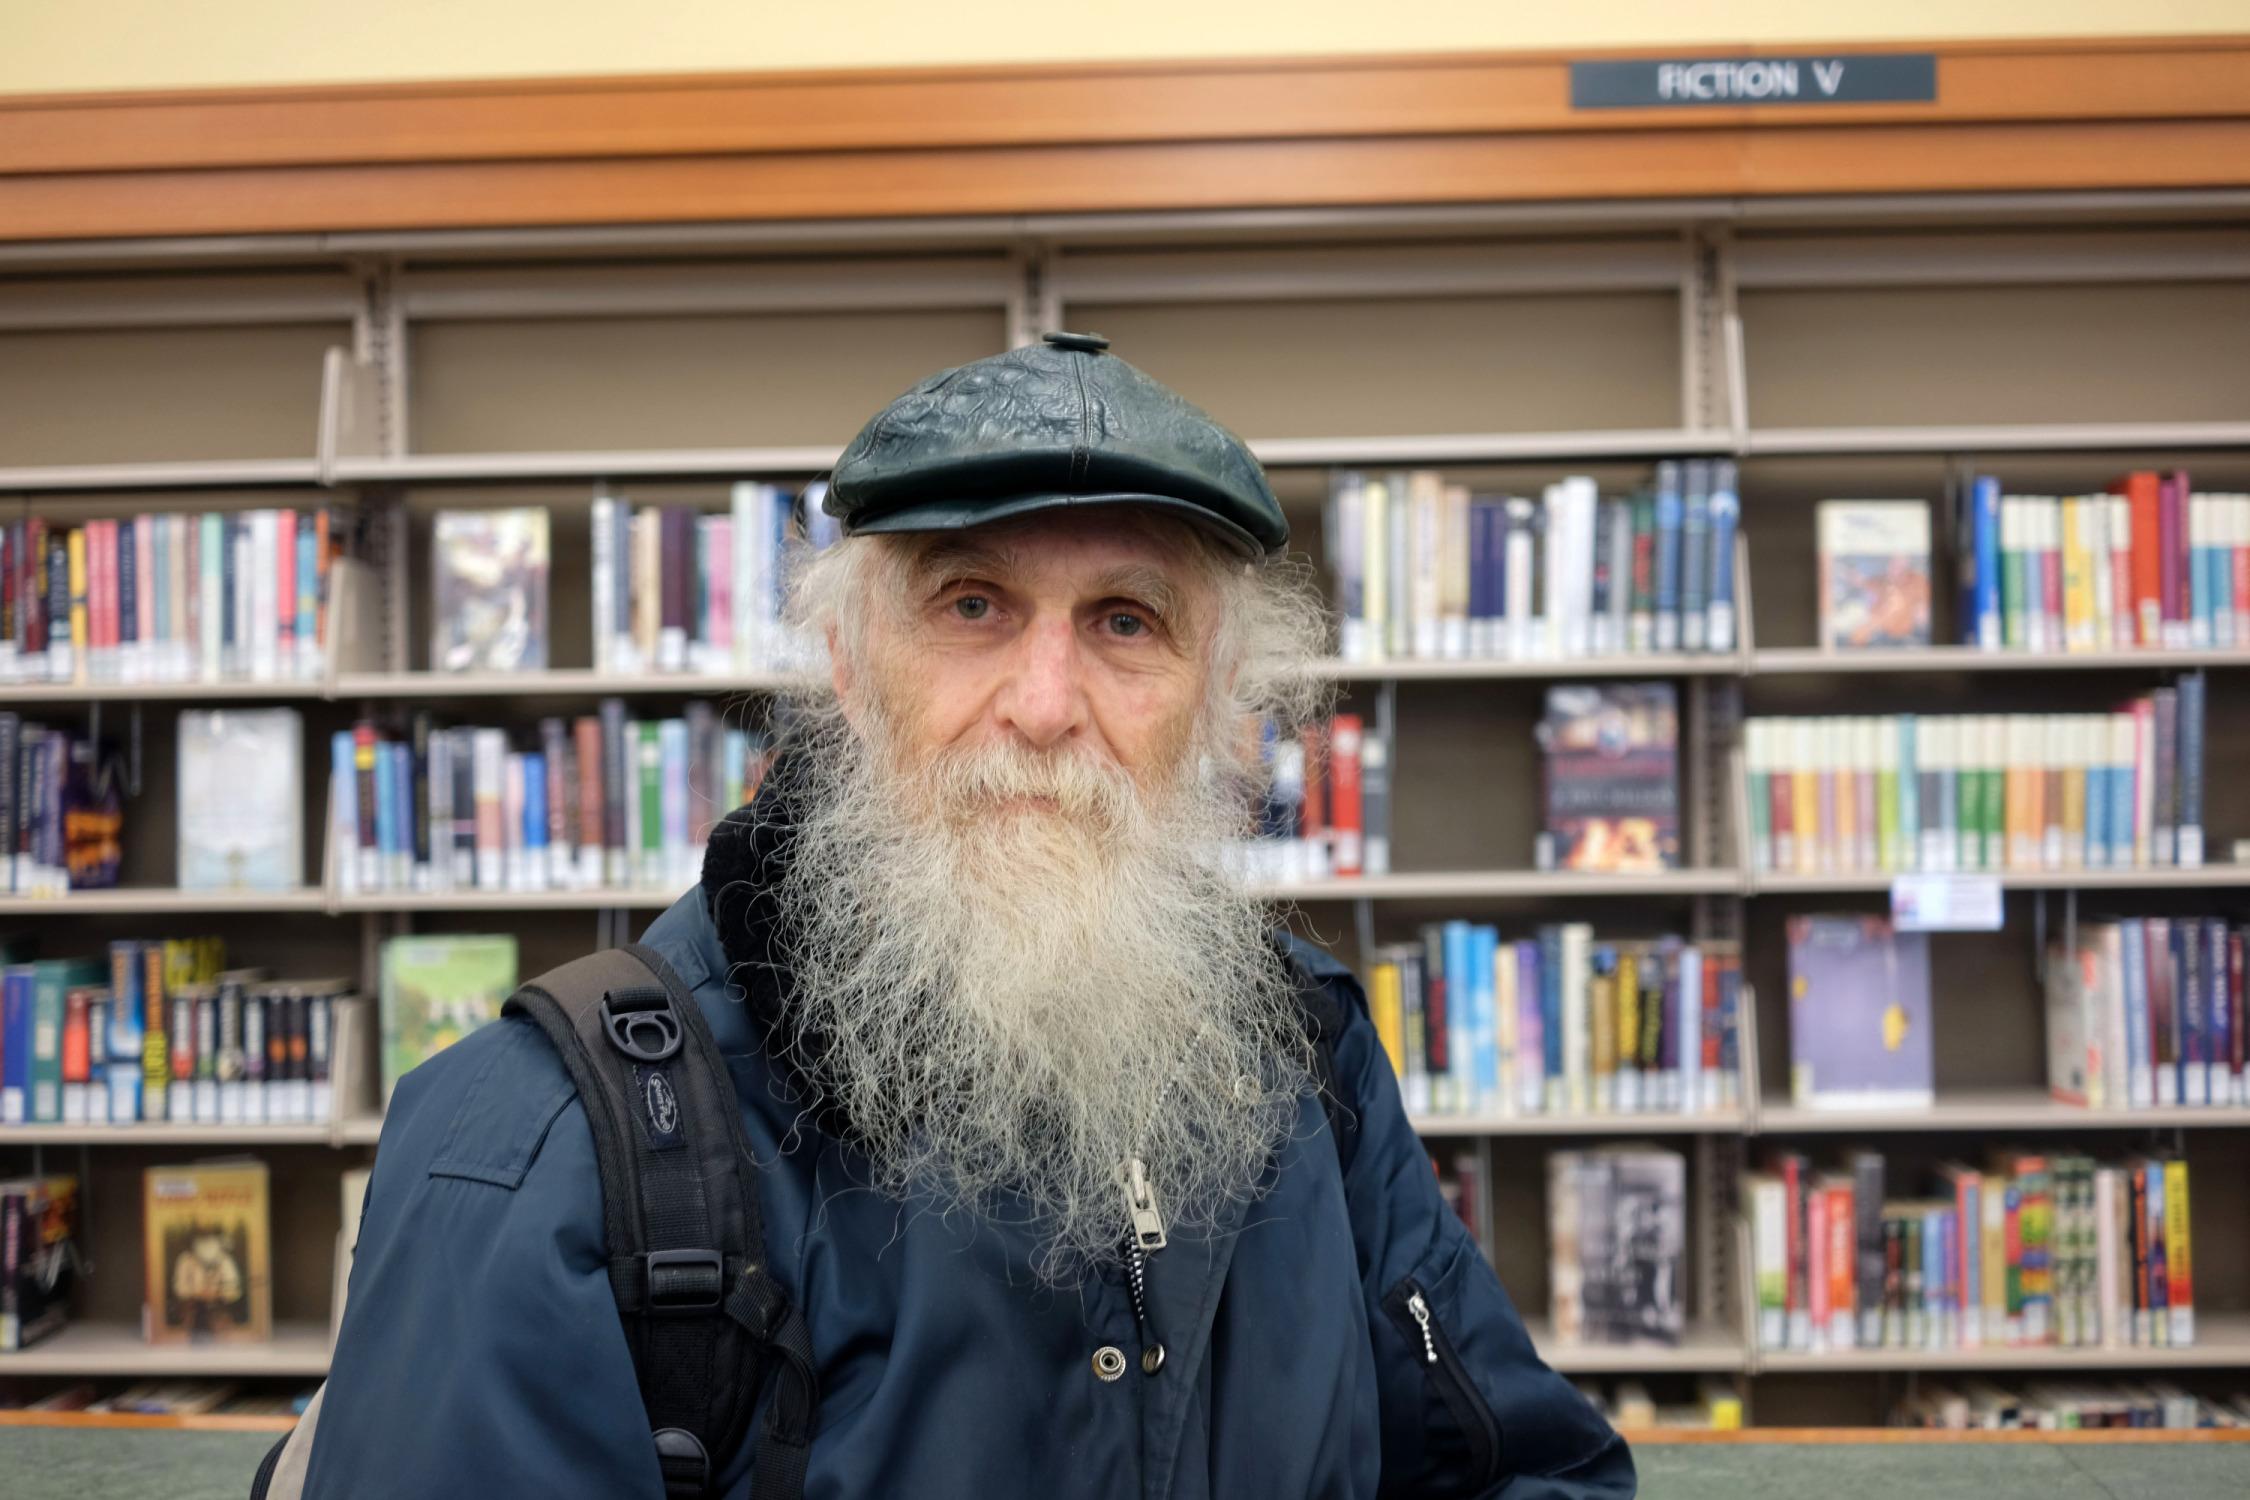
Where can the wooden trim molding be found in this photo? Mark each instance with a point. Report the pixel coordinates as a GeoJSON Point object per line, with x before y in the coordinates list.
{"type": "Point", "coordinates": [1454, 128]}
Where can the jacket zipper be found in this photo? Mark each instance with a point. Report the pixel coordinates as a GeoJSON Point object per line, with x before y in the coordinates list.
{"type": "Point", "coordinates": [1147, 1235]}
{"type": "Point", "coordinates": [1410, 1309]}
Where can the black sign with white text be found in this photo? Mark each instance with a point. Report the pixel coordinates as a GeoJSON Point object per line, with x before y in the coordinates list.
{"type": "Point", "coordinates": [1686, 82]}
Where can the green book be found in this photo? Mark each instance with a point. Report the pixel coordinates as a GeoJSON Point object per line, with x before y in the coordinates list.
{"type": "Point", "coordinates": [436, 990]}
{"type": "Point", "coordinates": [650, 759]}
{"type": "Point", "coordinates": [53, 979]}
{"type": "Point", "coordinates": [1969, 832]}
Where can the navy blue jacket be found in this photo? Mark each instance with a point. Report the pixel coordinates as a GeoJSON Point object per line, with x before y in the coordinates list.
{"type": "Point", "coordinates": [482, 1355]}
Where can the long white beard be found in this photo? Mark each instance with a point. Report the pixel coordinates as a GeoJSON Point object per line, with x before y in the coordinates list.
{"type": "Point", "coordinates": [1017, 996]}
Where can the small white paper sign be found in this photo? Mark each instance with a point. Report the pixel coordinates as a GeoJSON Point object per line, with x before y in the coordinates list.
{"type": "Point", "coordinates": [1946, 903]}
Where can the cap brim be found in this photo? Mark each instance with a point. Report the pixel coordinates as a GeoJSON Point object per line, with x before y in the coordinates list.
{"type": "Point", "coordinates": [960, 515]}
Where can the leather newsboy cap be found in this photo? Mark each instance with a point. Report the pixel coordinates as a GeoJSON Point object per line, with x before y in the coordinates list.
{"type": "Point", "coordinates": [1055, 424]}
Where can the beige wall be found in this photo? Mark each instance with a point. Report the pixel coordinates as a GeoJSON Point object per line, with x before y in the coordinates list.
{"type": "Point", "coordinates": [58, 45]}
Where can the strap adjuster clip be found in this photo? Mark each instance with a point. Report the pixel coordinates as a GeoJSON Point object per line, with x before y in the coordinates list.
{"type": "Point", "coordinates": [683, 1281]}
{"type": "Point", "coordinates": [641, 1024]}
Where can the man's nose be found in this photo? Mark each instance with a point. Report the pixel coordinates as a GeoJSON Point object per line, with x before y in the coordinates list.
{"type": "Point", "coordinates": [1044, 699]}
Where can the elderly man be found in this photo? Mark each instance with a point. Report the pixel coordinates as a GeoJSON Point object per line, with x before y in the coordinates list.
{"type": "Point", "coordinates": [1042, 1153]}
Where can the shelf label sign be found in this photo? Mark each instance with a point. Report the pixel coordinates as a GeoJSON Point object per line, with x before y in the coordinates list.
{"type": "Point", "coordinates": [1692, 82]}
{"type": "Point", "coordinates": [1946, 903]}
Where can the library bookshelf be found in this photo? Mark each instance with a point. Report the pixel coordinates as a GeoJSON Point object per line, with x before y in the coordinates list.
{"type": "Point", "coordinates": [407, 374]}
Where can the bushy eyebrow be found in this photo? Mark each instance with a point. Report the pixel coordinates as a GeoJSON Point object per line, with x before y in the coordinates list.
{"type": "Point", "coordinates": [951, 559]}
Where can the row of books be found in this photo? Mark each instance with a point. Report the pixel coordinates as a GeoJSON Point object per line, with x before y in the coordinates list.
{"type": "Point", "coordinates": [600, 802]}
{"type": "Point", "coordinates": [223, 596]}
{"type": "Point", "coordinates": [1617, 1245]}
{"type": "Point", "coordinates": [1326, 813]}
{"type": "Point", "coordinates": [2067, 1406]}
{"type": "Point", "coordinates": [1424, 568]}
{"type": "Point", "coordinates": [1627, 1405]}
{"type": "Point", "coordinates": [2147, 1011]}
{"type": "Point", "coordinates": [173, 1398]}
{"type": "Point", "coordinates": [161, 1031]}
{"type": "Point", "coordinates": [2036, 1249]}
{"type": "Point", "coordinates": [1558, 1023]}
{"type": "Point", "coordinates": [61, 809]}
{"type": "Point", "coordinates": [1946, 792]}
{"type": "Point", "coordinates": [2149, 563]}
{"type": "Point", "coordinates": [677, 590]}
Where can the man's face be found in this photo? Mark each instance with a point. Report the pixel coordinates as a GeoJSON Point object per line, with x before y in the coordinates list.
{"type": "Point", "coordinates": [1062, 633]}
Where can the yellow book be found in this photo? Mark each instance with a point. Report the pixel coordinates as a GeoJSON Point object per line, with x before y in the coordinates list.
{"type": "Point", "coordinates": [1628, 1028]}
{"type": "Point", "coordinates": [1504, 1001]}
{"type": "Point", "coordinates": [1375, 566]}
{"type": "Point", "coordinates": [1722, 1406]}
{"type": "Point", "coordinates": [1992, 1201]}
{"type": "Point", "coordinates": [2023, 799]}
{"type": "Point", "coordinates": [2078, 577]}
{"type": "Point", "coordinates": [207, 1254]}
{"type": "Point", "coordinates": [1804, 797]}
{"type": "Point", "coordinates": [1388, 1013]}
{"type": "Point", "coordinates": [1601, 1010]}
{"type": "Point", "coordinates": [2074, 792]}
{"type": "Point", "coordinates": [80, 647]}
{"type": "Point", "coordinates": [2178, 1283]}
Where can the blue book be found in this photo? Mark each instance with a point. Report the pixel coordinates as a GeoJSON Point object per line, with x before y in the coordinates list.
{"type": "Point", "coordinates": [1460, 1014]}
{"type": "Point", "coordinates": [2195, 1011]}
{"type": "Point", "coordinates": [386, 805]}
{"type": "Point", "coordinates": [2120, 814]}
{"type": "Point", "coordinates": [2097, 812]}
{"type": "Point", "coordinates": [2207, 584]}
{"type": "Point", "coordinates": [534, 831]}
{"type": "Point", "coordinates": [2188, 841]}
{"type": "Point", "coordinates": [308, 594]}
{"type": "Point", "coordinates": [1668, 524]}
{"type": "Point", "coordinates": [1695, 555]}
{"type": "Point", "coordinates": [15, 1044]}
{"type": "Point", "coordinates": [1484, 954]}
{"type": "Point", "coordinates": [230, 648]}
{"type": "Point", "coordinates": [1550, 1011]}
{"type": "Point", "coordinates": [160, 590]}
{"type": "Point", "coordinates": [1485, 576]}
{"type": "Point", "coordinates": [343, 794]}
{"type": "Point", "coordinates": [1984, 600]}
{"type": "Point", "coordinates": [1726, 516]}
{"type": "Point", "coordinates": [402, 799]}
{"type": "Point", "coordinates": [2140, 1089]}
{"type": "Point", "coordinates": [1909, 798]}
{"type": "Point", "coordinates": [126, 1002]}
{"type": "Point", "coordinates": [128, 601]}
{"type": "Point", "coordinates": [2218, 992]}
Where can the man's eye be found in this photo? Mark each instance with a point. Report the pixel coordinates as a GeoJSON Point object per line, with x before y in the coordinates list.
{"type": "Point", "coordinates": [1128, 624]}
{"type": "Point", "coordinates": [972, 606]}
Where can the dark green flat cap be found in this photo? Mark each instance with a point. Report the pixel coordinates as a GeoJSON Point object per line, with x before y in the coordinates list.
{"type": "Point", "coordinates": [1055, 424]}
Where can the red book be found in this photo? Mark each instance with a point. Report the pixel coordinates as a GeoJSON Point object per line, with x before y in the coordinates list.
{"type": "Point", "coordinates": [2140, 491]}
{"type": "Point", "coordinates": [1791, 1171]}
{"type": "Point", "coordinates": [1816, 1287]}
{"type": "Point", "coordinates": [321, 560]}
{"type": "Point", "coordinates": [587, 731]}
{"type": "Point", "coordinates": [77, 1044]}
{"type": "Point", "coordinates": [1782, 814]}
{"type": "Point", "coordinates": [1842, 1266]}
{"type": "Point", "coordinates": [33, 608]}
{"type": "Point", "coordinates": [2182, 557]}
{"type": "Point", "coordinates": [1312, 822]}
{"type": "Point", "coordinates": [2159, 933]}
{"type": "Point", "coordinates": [285, 585]}
{"type": "Point", "coordinates": [1344, 816]}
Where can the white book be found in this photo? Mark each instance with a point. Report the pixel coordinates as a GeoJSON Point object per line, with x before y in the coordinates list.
{"type": "Point", "coordinates": [749, 639]}
{"type": "Point", "coordinates": [1398, 630]}
{"type": "Point", "coordinates": [1428, 530]}
{"type": "Point", "coordinates": [1345, 529]}
{"type": "Point", "coordinates": [2121, 623]}
{"type": "Point", "coordinates": [1522, 625]}
{"type": "Point", "coordinates": [1504, 1002]}
{"type": "Point", "coordinates": [265, 617]}
{"type": "Point", "coordinates": [1375, 569]}
{"type": "Point", "coordinates": [1555, 513]}
{"type": "Point", "coordinates": [2093, 530]}
{"type": "Point", "coordinates": [605, 583]}
{"type": "Point", "coordinates": [1577, 937]}
{"type": "Point", "coordinates": [1769, 1237]}
{"type": "Point", "coordinates": [1453, 562]}
{"type": "Point", "coordinates": [1581, 499]}
{"type": "Point", "coordinates": [1690, 1090]}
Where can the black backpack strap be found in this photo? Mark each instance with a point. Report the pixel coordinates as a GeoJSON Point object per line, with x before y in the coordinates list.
{"type": "Point", "coordinates": [703, 1315]}
{"type": "Point", "coordinates": [1324, 1016]}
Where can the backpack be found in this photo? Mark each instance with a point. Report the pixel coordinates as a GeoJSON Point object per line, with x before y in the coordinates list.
{"type": "Point", "coordinates": [682, 1225]}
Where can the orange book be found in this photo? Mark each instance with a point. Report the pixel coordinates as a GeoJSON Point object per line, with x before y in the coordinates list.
{"type": "Point", "coordinates": [2140, 491]}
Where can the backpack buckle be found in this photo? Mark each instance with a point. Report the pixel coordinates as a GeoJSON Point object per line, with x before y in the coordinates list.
{"type": "Point", "coordinates": [686, 1467]}
{"type": "Point", "coordinates": [641, 1024]}
{"type": "Point", "coordinates": [683, 1281]}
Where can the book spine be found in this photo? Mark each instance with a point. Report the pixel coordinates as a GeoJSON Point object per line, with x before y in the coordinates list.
{"type": "Point", "coordinates": [1726, 518]}
{"type": "Point", "coordinates": [1695, 562]}
{"type": "Point", "coordinates": [2187, 842]}
{"type": "Point", "coordinates": [603, 582]}
{"type": "Point", "coordinates": [490, 759]}
{"type": "Point", "coordinates": [2172, 545]}
{"type": "Point", "coordinates": [1522, 635]}
{"type": "Point", "coordinates": [1670, 519]}
{"type": "Point", "coordinates": [537, 829]}
{"type": "Point", "coordinates": [2179, 1293]}
{"type": "Point", "coordinates": [2165, 780]}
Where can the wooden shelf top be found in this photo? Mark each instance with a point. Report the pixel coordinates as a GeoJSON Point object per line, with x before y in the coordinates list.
{"type": "Point", "coordinates": [101, 1349]}
{"type": "Point", "coordinates": [355, 1131]}
{"type": "Point", "coordinates": [1993, 1109]}
{"type": "Point", "coordinates": [2221, 876]}
{"type": "Point", "coordinates": [1705, 1346]}
{"type": "Point", "coordinates": [2222, 1342]}
{"type": "Point", "coordinates": [156, 901]}
{"type": "Point", "coordinates": [1801, 661]}
{"type": "Point", "coordinates": [1655, 1122]}
{"type": "Point", "coordinates": [1471, 885]}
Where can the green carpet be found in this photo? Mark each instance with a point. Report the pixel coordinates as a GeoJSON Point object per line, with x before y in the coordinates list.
{"type": "Point", "coordinates": [64, 1464]}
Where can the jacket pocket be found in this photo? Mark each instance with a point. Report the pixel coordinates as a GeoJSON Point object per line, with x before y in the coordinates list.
{"type": "Point", "coordinates": [1411, 1307]}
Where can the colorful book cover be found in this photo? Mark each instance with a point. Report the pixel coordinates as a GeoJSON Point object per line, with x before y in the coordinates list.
{"type": "Point", "coordinates": [1612, 778]}
{"type": "Point", "coordinates": [1859, 1014]}
{"type": "Point", "coordinates": [1874, 573]}
{"type": "Point", "coordinates": [488, 602]}
{"type": "Point", "coordinates": [436, 990]}
{"type": "Point", "coordinates": [38, 1257]}
{"type": "Point", "coordinates": [208, 1254]}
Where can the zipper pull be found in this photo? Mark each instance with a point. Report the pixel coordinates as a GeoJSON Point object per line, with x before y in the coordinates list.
{"type": "Point", "coordinates": [1421, 1313]}
{"type": "Point", "coordinates": [1140, 1202]}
